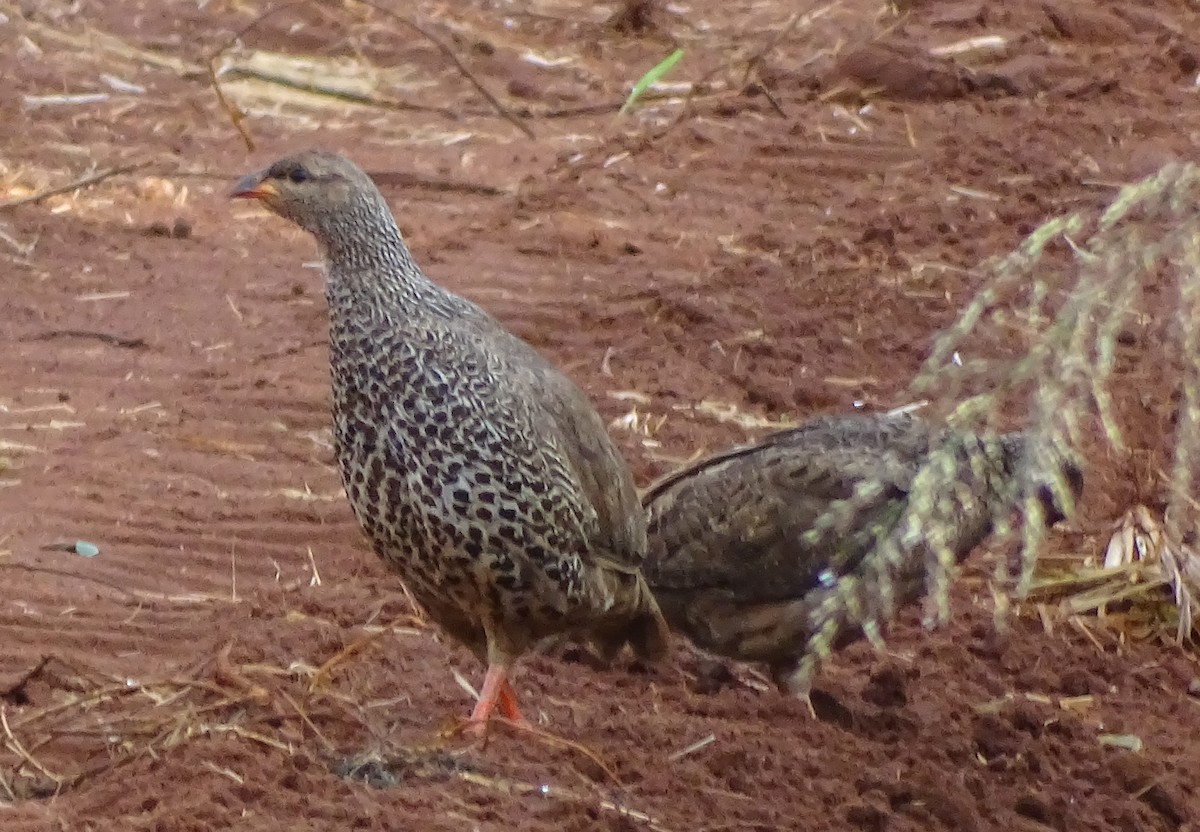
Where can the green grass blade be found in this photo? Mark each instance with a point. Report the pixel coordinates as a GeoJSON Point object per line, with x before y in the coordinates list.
{"type": "Point", "coordinates": [654, 74]}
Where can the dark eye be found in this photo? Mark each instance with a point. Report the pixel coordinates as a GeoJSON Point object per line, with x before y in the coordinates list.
{"type": "Point", "coordinates": [298, 175]}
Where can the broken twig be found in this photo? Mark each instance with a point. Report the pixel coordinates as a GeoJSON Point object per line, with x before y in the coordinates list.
{"type": "Point", "coordinates": [74, 185]}
{"type": "Point", "coordinates": [103, 337]}
{"type": "Point", "coordinates": [500, 109]}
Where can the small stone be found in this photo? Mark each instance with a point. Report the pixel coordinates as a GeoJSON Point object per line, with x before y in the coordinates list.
{"type": "Point", "coordinates": [85, 549]}
{"type": "Point", "coordinates": [524, 88]}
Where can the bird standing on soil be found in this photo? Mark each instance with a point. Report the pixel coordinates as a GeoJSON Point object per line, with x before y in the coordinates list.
{"type": "Point", "coordinates": [480, 475]}
{"type": "Point", "coordinates": [733, 559]}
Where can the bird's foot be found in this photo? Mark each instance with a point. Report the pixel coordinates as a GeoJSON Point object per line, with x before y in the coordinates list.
{"type": "Point", "coordinates": [797, 682]}
{"type": "Point", "coordinates": [497, 696]}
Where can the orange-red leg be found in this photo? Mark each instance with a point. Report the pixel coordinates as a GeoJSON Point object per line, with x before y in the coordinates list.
{"type": "Point", "coordinates": [498, 694]}
{"type": "Point", "coordinates": [508, 704]}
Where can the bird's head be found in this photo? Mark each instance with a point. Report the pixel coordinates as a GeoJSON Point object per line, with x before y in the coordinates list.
{"type": "Point", "coordinates": [1057, 482]}
{"type": "Point", "coordinates": [323, 193]}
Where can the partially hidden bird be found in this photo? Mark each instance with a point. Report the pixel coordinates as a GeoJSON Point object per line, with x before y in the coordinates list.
{"type": "Point", "coordinates": [481, 475]}
{"type": "Point", "coordinates": [735, 556]}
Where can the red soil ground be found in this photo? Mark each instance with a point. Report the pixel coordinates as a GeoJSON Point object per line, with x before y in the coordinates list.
{"type": "Point", "coordinates": [789, 247]}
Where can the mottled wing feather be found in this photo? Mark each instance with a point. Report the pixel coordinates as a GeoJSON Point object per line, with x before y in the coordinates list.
{"type": "Point", "coordinates": [738, 521]}
{"type": "Point", "coordinates": [741, 525]}
{"type": "Point", "coordinates": [571, 441]}
{"type": "Point", "coordinates": [551, 409]}
{"type": "Point", "coordinates": [903, 435]}
{"type": "Point", "coordinates": [602, 472]}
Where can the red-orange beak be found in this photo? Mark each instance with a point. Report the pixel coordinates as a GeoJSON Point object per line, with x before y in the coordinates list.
{"type": "Point", "coordinates": [253, 186]}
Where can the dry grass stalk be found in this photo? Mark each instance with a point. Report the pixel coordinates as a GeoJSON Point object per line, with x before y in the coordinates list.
{"type": "Point", "coordinates": [508, 787]}
{"type": "Point", "coordinates": [548, 738]}
{"type": "Point", "coordinates": [351, 649]}
{"type": "Point", "coordinates": [692, 748]}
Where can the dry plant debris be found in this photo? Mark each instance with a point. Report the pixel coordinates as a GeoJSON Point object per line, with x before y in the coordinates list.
{"type": "Point", "coordinates": [63, 722]}
{"type": "Point", "coordinates": [1143, 584]}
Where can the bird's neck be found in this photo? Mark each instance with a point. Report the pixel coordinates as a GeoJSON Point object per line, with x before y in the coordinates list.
{"type": "Point", "coordinates": [369, 268]}
{"type": "Point", "coordinates": [378, 295]}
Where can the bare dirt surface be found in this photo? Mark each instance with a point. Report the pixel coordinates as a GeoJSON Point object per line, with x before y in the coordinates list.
{"type": "Point", "coordinates": [788, 247]}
